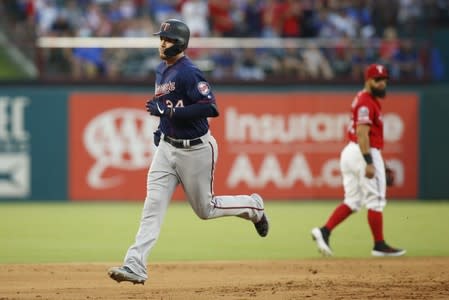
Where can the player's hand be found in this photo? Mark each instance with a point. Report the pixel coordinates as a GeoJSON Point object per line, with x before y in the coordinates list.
{"type": "Point", "coordinates": [370, 171]}
{"type": "Point", "coordinates": [157, 108]}
{"type": "Point", "coordinates": [157, 137]}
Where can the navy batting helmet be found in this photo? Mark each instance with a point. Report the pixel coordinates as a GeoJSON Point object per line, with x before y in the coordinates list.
{"type": "Point", "coordinates": [177, 31]}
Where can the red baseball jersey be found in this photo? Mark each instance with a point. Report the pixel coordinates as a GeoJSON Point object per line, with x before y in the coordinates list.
{"type": "Point", "coordinates": [366, 109]}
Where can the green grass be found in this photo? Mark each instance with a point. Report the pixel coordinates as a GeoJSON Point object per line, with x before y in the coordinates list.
{"type": "Point", "coordinates": [98, 232]}
{"type": "Point", "coordinates": [8, 70]}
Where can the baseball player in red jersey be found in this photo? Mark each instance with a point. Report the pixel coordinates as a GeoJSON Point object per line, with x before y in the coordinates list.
{"type": "Point", "coordinates": [362, 166]}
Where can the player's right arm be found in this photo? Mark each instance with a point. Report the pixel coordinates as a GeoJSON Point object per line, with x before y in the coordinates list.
{"type": "Point", "coordinates": [362, 132]}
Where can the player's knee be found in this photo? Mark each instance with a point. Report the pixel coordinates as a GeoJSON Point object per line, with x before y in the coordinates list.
{"type": "Point", "coordinates": [203, 217]}
{"type": "Point", "coordinates": [376, 204]}
{"type": "Point", "coordinates": [375, 207]}
{"type": "Point", "coordinates": [355, 206]}
{"type": "Point", "coordinates": [203, 214]}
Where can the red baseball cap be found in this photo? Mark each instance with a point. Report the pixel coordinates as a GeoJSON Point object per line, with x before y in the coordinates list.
{"type": "Point", "coordinates": [376, 71]}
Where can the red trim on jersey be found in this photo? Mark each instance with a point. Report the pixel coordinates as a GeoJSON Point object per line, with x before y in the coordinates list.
{"type": "Point", "coordinates": [234, 207]}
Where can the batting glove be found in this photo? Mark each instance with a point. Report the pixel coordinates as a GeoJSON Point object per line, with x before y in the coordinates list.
{"type": "Point", "coordinates": [156, 108]}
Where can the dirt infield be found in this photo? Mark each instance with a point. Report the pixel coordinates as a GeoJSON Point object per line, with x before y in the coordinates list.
{"type": "Point", "coordinates": [374, 278]}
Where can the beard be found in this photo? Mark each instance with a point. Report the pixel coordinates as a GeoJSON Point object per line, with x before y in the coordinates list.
{"type": "Point", "coordinates": [378, 93]}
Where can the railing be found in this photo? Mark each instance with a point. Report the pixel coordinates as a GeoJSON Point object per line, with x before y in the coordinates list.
{"type": "Point", "coordinates": [278, 60]}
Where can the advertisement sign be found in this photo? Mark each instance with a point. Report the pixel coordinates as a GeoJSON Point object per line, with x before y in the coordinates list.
{"type": "Point", "coordinates": [33, 144]}
{"type": "Point", "coordinates": [15, 161]}
{"type": "Point", "coordinates": [287, 146]}
{"type": "Point", "coordinates": [283, 146]}
{"type": "Point", "coordinates": [111, 146]}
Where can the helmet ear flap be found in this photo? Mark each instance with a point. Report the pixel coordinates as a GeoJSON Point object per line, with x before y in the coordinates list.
{"type": "Point", "coordinates": [174, 50]}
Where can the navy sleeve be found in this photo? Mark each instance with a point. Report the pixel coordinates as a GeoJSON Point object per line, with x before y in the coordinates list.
{"type": "Point", "coordinates": [194, 111]}
{"type": "Point", "coordinates": [197, 88]}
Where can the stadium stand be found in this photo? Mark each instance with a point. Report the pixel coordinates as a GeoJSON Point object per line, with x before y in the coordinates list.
{"type": "Point", "coordinates": [394, 32]}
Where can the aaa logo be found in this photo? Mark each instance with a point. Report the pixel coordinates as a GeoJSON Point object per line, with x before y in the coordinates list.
{"type": "Point", "coordinates": [119, 138]}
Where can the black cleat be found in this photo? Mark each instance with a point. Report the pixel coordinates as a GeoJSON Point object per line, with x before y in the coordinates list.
{"type": "Point", "coordinates": [262, 226]}
{"type": "Point", "coordinates": [383, 249]}
{"type": "Point", "coordinates": [321, 237]}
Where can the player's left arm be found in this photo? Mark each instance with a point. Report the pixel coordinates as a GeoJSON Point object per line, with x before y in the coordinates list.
{"type": "Point", "coordinates": [193, 111]}
{"type": "Point", "coordinates": [362, 132]}
{"type": "Point", "coordinates": [203, 100]}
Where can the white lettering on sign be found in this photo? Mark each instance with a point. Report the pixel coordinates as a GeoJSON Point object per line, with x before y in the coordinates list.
{"type": "Point", "coordinates": [393, 127]}
{"type": "Point", "coordinates": [297, 172]}
{"type": "Point", "coordinates": [270, 171]}
{"type": "Point", "coordinates": [119, 138]}
{"type": "Point", "coordinates": [12, 119]}
{"type": "Point", "coordinates": [15, 161]}
{"type": "Point", "coordinates": [268, 128]}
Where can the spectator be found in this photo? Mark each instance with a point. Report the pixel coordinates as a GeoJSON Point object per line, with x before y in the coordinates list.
{"type": "Point", "coordinates": [389, 45]}
{"type": "Point", "coordinates": [343, 22]}
{"type": "Point", "coordinates": [46, 16]}
{"type": "Point", "coordinates": [361, 13]}
{"type": "Point", "coordinates": [405, 63]}
{"type": "Point", "coordinates": [442, 8]}
{"type": "Point", "coordinates": [223, 60]}
{"type": "Point", "coordinates": [384, 14]}
{"type": "Point", "coordinates": [316, 64]}
{"type": "Point", "coordinates": [162, 10]}
{"type": "Point", "coordinates": [93, 17]}
{"type": "Point", "coordinates": [270, 60]}
{"type": "Point", "coordinates": [222, 23]}
{"type": "Point", "coordinates": [88, 63]}
{"type": "Point", "coordinates": [359, 61]}
{"type": "Point", "coordinates": [252, 18]}
{"type": "Point", "coordinates": [310, 22]}
{"type": "Point", "coordinates": [247, 68]}
{"type": "Point", "coordinates": [292, 19]}
{"type": "Point", "coordinates": [339, 20]}
{"type": "Point", "coordinates": [292, 64]}
{"type": "Point", "coordinates": [341, 57]}
{"type": "Point", "coordinates": [61, 26]}
{"type": "Point", "coordinates": [127, 9]}
{"type": "Point", "coordinates": [74, 14]}
{"type": "Point", "coordinates": [272, 12]}
{"type": "Point", "coordinates": [195, 14]}
{"type": "Point", "coordinates": [326, 29]}
{"type": "Point", "coordinates": [409, 12]}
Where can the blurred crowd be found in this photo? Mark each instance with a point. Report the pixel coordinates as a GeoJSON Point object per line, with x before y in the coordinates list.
{"type": "Point", "coordinates": [392, 32]}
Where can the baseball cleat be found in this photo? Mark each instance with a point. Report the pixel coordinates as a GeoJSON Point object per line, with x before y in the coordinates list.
{"type": "Point", "coordinates": [383, 249]}
{"type": "Point", "coordinates": [262, 226]}
{"type": "Point", "coordinates": [322, 241]}
{"type": "Point", "coordinates": [124, 273]}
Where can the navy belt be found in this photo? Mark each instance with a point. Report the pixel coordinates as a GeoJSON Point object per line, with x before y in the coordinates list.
{"type": "Point", "coordinates": [182, 143]}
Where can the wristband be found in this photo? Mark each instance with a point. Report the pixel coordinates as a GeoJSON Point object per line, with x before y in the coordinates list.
{"type": "Point", "coordinates": [368, 158]}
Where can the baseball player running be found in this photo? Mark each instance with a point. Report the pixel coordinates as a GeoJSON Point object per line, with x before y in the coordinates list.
{"type": "Point", "coordinates": [186, 154]}
{"type": "Point", "coordinates": [362, 166]}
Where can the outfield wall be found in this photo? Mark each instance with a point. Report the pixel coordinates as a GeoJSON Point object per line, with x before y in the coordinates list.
{"type": "Point", "coordinates": [95, 143]}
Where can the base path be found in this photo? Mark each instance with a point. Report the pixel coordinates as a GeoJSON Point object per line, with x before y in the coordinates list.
{"type": "Point", "coordinates": [326, 278]}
